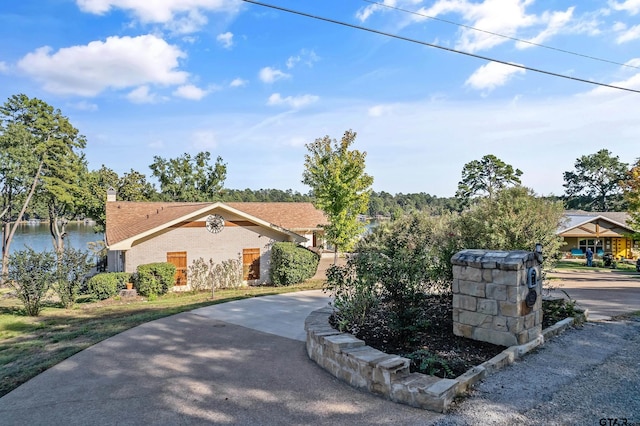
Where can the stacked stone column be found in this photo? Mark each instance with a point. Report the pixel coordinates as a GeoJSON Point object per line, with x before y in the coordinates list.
{"type": "Point", "coordinates": [489, 296]}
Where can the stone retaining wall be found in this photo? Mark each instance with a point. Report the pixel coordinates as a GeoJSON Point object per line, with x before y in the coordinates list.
{"type": "Point", "coordinates": [349, 359]}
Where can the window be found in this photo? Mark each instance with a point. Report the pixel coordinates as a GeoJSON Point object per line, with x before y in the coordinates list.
{"type": "Point", "coordinates": [594, 245]}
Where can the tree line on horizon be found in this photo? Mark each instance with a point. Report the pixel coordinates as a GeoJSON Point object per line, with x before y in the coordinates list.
{"type": "Point", "coordinates": [44, 174]}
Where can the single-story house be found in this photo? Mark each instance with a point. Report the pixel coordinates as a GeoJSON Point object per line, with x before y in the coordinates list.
{"type": "Point", "coordinates": [138, 233]}
{"type": "Point", "coordinates": [603, 232]}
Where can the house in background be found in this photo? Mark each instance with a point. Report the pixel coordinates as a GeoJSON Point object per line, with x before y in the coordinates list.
{"type": "Point", "coordinates": [603, 232]}
{"type": "Point", "coordinates": [138, 233]}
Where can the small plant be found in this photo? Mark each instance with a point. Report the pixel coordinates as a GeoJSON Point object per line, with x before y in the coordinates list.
{"type": "Point", "coordinates": [429, 363]}
{"type": "Point", "coordinates": [227, 274]}
{"type": "Point", "coordinates": [199, 275]}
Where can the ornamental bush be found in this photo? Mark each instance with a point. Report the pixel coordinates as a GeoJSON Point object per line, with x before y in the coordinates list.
{"type": "Point", "coordinates": [155, 279]}
{"type": "Point", "coordinates": [72, 267]}
{"type": "Point", "coordinates": [291, 263]}
{"type": "Point", "coordinates": [31, 275]}
{"type": "Point", "coordinates": [107, 284]}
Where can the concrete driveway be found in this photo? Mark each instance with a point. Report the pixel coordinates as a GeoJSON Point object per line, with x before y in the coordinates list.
{"type": "Point", "coordinates": [604, 293]}
{"type": "Point", "coordinates": [223, 364]}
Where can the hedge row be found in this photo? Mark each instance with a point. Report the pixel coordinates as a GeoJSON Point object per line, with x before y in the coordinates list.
{"type": "Point", "coordinates": [291, 264]}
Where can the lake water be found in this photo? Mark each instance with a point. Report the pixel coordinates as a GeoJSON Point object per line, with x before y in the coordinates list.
{"type": "Point", "coordinates": [37, 237]}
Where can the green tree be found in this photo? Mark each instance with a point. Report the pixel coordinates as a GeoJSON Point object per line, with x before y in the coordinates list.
{"type": "Point", "coordinates": [34, 137]}
{"type": "Point", "coordinates": [188, 178]}
{"type": "Point", "coordinates": [597, 177]}
{"type": "Point", "coordinates": [514, 220]}
{"type": "Point", "coordinates": [132, 186]}
{"type": "Point", "coordinates": [339, 185]}
{"type": "Point", "coordinates": [631, 190]}
{"type": "Point", "coordinates": [486, 177]}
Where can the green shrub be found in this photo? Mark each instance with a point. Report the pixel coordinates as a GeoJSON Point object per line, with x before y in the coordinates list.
{"type": "Point", "coordinates": [291, 264]}
{"type": "Point", "coordinates": [107, 284]}
{"type": "Point", "coordinates": [72, 267]}
{"type": "Point", "coordinates": [31, 275]}
{"type": "Point", "coordinates": [155, 279]}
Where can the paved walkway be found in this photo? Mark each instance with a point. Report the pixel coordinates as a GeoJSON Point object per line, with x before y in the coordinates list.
{"type": "Point", "coordinates": [193, 368]}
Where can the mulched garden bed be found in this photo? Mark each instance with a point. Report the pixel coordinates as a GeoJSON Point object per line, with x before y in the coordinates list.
{"type": "Point", "coordinates": [432, 346]}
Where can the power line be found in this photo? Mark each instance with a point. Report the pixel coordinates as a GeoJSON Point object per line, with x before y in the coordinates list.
{"type": "Point", "coordinates": [595, 58]}
{"type": "Point", "coordinates": [411, 40]}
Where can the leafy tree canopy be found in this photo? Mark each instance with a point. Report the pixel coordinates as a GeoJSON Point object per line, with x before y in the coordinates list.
{"type": "Point", "coordinates": [486, 176]}
{"type": "Point", "coordinates": [339, 186]}
{"type": "Point", "coordinates": [597, 178]}
{"type": "Point", "coordinates": [188, 178]}
{"type": "Point", "coordinates": [631, 189]}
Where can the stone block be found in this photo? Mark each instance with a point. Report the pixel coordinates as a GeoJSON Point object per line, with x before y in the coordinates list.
{"type": "Point", "coordinates": [538, 317]}
{"type": "Point", "coordinates": [523, 337]}
{"type": "Point", "coordinates": [342, 341]}
{"type": "Point", "coordinates": [367, 355]}
{"type": "Point", "coordinates": [515, 324]}
{"type": "Point", "coordinates": [455, 288]}
{"type": "Point", "coordinates": [469, 273]}
{"type": "Point", "coordinates": [501, 277]}
{"type": "Point", "coordinates": [501, 338]}
{"type": "Point", "coordinates": [470, 378]}
{"type": "Point", "coordinates": [509, 309]}
{"type": "Point", "coordinates": [496, 292]}
{"type": "Point", "coordinates": [468, 303]}
{"type": "Point", "coordinates": [455, 313]}
{"type": "Point", "coordinates": [499, 361]}
{"type": "Point", "coordinates": [535, 333]}
{"type": "Point", "coordinates": [442, 387]}
{"type": "Point", "coordinates": [474, 319]}
{"type": "Point", "coordinates": [487, 275]}
{"type": "Point", "coordinates": [486, 306]}
{"type": "Point", "coordinates": [463, 330]}
{"type": "Point", "coordinates": [500, 324]}
{"type": "Point", "coordinates": [472, 288]}
{"type": "Point", "coordinates": [529, 320]}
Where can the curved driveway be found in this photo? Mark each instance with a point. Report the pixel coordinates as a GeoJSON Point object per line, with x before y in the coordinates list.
{"type": "Point", "coordinates": [194, 368]}
{"type": "Point", "coordinates": [605, 293]}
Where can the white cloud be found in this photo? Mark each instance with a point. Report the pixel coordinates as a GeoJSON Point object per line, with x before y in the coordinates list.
{"type": "Point", "coordinates": [225, 39]}
{"type": "Point", "coordinates": [270, 75]}
{"type": "Point", "coordinates": [142, 95]}
{"type": "Point", "coordinates": [84, 106]}
{"type": "Point", "coordinates": [189, 91]}
{"type": "Point", "coordinates": [492, 75]}
{"type": "Point", "coordinates": [364, 13]}
{"type": "Point", "coordinates": [379, 110]}
{"type": "Point", "coordinates": [181, 16]}
{"type": "Point", "coordinates": [307, 57]}
{"type": "Point", "coordinates": [631, 6]}
{"type": "Point", "coordinates": [556, 21]}
{"type": "Point", "coordinates": [117, 63]}
{"type": "Point", "coordinates": [238, 82]}
{"type": "Point", "coordinates": [3, 67]}
{"type": "Point", "coordinates": [631, 34]}
{"type": "Point", "coordinates": [204, 139]}
{"type": "Point", "coordinates": [292, 101]}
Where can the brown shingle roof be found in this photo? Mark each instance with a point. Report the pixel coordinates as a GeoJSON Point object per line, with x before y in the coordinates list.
{"type": "Point", "coordinates": [292, 216]}
{"type": "Point", "coordinates": [126, 219]}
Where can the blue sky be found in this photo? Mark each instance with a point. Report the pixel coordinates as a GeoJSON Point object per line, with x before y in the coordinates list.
{"type": "Point", "coordinates": [252, 84]}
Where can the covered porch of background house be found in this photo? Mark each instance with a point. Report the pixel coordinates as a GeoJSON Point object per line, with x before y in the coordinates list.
{"type": "Point", "coordinates": [601, 232]}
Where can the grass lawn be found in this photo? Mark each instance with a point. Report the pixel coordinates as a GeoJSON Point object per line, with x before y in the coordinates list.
{"type": "Point", "coordinates": [581, 265]}
{"type": "Point", "coordinates": [30, 345]}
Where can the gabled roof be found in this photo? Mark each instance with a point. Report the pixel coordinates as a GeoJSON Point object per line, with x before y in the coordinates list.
{"type": "Point", "coordinates": [577, 218]}
{"type": "Point", "coordinates": [126, 221]}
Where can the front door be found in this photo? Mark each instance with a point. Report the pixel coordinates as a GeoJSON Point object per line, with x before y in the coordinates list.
{"type": "Point", "coordinates": [251, 264]}
{"type": "Point", "coordinates": [179, 260]}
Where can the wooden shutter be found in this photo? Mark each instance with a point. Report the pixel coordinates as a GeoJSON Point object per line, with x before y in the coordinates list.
{"type": "Point", "coordinates": [179, 259]}
{"type": "Point", "coordinates": [251, 264]}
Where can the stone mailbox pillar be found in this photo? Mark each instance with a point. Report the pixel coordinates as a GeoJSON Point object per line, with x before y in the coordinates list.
{"type": "Point", "coordinates": [497, 296]}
